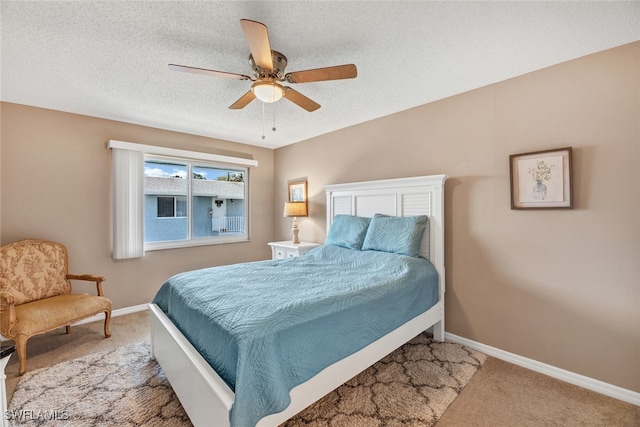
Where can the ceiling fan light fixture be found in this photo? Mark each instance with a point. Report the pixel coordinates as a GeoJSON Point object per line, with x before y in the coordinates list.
{"type": "Point", "coordinates": [267, 91]}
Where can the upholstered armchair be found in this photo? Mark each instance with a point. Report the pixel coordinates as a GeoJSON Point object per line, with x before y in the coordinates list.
{"type": "Point", "coordinates": [35, 293]}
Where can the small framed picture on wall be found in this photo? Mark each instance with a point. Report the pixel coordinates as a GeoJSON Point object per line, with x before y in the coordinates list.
{"type": "Point", "coordinates": [542, 179]}
{"type": "Point", "coordinates": [298, 190]}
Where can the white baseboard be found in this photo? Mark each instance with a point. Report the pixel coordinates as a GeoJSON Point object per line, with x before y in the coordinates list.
{"type": "Point", "coordinates": [114, 313]}
{"type": "Point", "coordinates": [598, 386]}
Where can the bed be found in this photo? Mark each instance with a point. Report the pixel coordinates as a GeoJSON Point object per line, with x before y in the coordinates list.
{"type": "Point", "coordinates": [208, 396]}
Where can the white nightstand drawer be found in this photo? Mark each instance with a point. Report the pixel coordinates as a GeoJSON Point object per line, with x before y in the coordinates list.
{"type": "Point", "coordinates": [292, 253]}
{"type": "Point", "coordinates": [286, 249]}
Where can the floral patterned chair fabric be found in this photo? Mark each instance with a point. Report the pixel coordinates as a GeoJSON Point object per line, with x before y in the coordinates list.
{"type": "Point", "coordinates": [35, 293]}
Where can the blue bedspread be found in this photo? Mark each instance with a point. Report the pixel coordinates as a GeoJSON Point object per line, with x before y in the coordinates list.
{"type": "Point", "coordinates": [268, 326]}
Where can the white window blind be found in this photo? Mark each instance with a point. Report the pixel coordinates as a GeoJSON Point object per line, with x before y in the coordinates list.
{"type": "Point", "coordinates": [128, 214]}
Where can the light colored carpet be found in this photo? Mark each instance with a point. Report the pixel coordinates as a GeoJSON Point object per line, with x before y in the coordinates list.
{"type": "Point", "coordinates": [499, 394]}
{"type": "Point", "coordinates": [412, 386]}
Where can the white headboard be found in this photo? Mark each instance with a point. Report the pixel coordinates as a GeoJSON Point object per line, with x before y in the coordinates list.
{"type": "Point", "coordinates": [421, 195]}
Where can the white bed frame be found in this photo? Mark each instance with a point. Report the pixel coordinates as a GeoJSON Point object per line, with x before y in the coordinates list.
{"type": "Point", "coordinates": [205, 396]}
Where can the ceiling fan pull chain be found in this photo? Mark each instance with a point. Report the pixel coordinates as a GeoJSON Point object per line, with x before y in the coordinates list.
{"type": "Point", "coordinates": [263, 137]}
{"type": "Point", "coordinates": [274, 119]}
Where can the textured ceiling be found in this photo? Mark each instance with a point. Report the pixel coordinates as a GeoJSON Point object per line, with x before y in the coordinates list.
{"type": "Point", "coordinates": [109, 59]}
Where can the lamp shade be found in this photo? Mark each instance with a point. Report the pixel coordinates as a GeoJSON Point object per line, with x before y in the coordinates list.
{"type": "Point", "coordinates": [295, 209]}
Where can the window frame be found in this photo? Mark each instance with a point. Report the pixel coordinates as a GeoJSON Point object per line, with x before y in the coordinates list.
{"type": "Point", "coordinates": [191, 240]}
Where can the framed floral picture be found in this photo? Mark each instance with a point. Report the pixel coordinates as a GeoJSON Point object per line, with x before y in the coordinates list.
{"type": "Point", "coordinates": [298, 191]}
{"type": "Point", "coordinates": [541, 179]}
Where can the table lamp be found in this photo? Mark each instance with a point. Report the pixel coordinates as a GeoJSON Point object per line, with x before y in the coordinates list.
{"type": "Point", "coordinates": [295, 209]}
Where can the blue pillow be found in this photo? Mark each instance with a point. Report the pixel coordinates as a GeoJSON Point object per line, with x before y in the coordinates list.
{"type": "Point", "coordinates": [395, 234]}
{"type": "Point", "coordinates": [348, 231]}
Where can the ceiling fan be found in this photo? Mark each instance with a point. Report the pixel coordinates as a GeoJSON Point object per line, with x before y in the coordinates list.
{"type": "Point", "coordinates": [268, 70]}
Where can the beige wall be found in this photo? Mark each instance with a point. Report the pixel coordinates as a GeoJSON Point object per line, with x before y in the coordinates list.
{"type": "Point", "coordinates": [56, 185]}
{"type": "Point", "coordinates": [561, 287]}
{"type": "Point", "coordinates": [558, 286]}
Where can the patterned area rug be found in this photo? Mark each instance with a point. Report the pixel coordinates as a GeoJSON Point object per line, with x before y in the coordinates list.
{"type": "Point", "coordinates": [412, 386]}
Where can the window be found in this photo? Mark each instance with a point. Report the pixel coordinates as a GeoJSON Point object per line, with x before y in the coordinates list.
{"type": "Point", "coordinates": [167, 198]}
{"type": "Point", "coordinates": [193, 202]}
{"type": "Point", "coordinates": [171, 207]}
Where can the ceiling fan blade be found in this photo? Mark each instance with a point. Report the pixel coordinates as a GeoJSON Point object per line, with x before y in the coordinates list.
{"type": "Point", "coordinates": [258, 39]}
{"type": "Point", "coordinates": [243, 101]}
{"type": "Point", "coordinates": [348, 71]}
{"type": "Point", "coordinates": [300, 100]}
{"type": "Point", "coordinates": [194, 70]}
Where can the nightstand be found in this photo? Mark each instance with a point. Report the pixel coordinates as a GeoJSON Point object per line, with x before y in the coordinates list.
{"type": "Point", "coordinates": [287, 249]}
{"type": "Point", "coordinates": [5, 354]}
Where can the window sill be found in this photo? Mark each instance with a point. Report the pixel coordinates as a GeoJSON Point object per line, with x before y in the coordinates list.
{"type": "Point", "coordinates": [175, 244]}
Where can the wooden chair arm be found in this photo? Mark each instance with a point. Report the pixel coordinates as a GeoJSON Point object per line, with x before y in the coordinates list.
{"type": "Point", "coordinates": [90, 278]}
{"type": "Point", "coordinates": [7, 297]}
{"type": "Point", "coordinates": [7, 312]}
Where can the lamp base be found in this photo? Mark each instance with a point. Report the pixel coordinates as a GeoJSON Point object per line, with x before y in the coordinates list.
{"type": "Point", "coordinates": [295, 231]}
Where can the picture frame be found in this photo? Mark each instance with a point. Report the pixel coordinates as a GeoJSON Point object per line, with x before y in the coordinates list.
{"type": "Point", "coordinates": [542, 179]}
{"type": "Point", "coordinates": [298, 190]}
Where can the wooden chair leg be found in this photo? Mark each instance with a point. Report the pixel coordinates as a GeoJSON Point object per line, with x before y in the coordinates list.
{"type": "Point", "coordinates": [21, 349]}
{"type": "Point", "coordinates": [68, 329]}
{"type": "Point", "coordinates": [107, 319]}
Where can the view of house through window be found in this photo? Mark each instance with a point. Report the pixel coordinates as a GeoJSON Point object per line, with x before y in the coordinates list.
{"type": "Point", "coordinates": [192, 200]}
